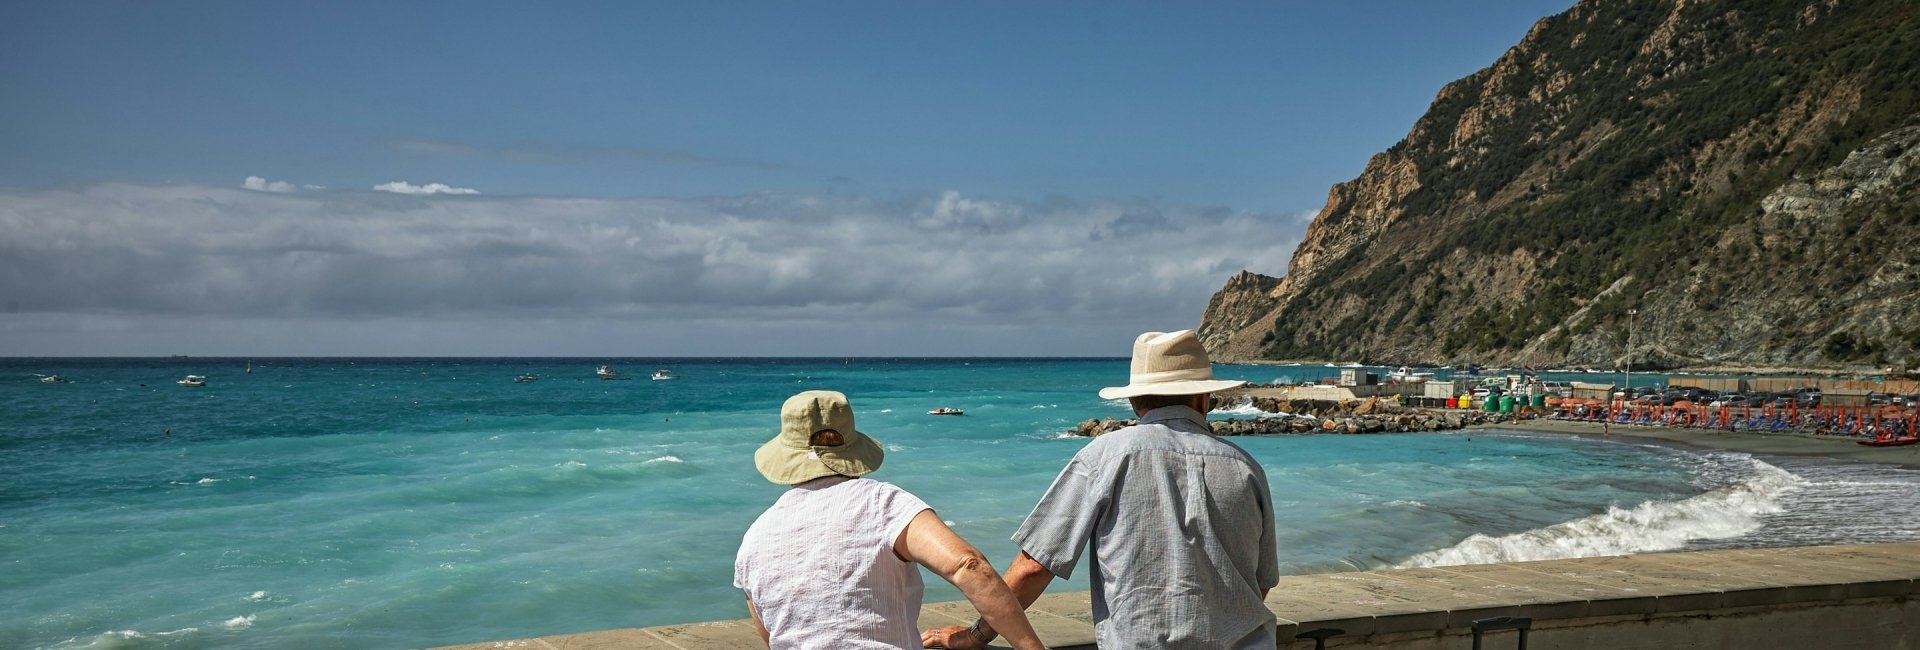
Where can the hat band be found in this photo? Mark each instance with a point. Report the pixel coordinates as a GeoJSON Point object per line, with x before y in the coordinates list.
{"type": "Point", "coordinates": [1164, 376]}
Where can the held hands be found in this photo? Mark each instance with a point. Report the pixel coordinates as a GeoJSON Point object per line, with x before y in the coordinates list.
{"type": "Point", "coordinates": [954, 637]}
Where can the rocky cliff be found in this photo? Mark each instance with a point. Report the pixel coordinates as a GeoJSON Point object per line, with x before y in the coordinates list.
{"type": "Point", "coordinates": [1661, 183]}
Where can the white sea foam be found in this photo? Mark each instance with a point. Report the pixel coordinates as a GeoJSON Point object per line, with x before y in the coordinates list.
{"type": "Point", "coordinates": [209, 481]}
{"type": "Point", "coordinates": [1722, 513]}
{"type": "Point", "coordinates": [238, 622]}
{"type": "Point", "coordinates": [886, 410]}
{"type": "Point", "coordinates": [1243, 408]}
{"type": "Point", "coordinates": [571, 463]}
{"type": "Point", "coordinates": [118, 639]}
{"type": "Point", "coordinates": [1406, 502]}
{"type": "Point", "coordinates": [259, 596]}
{"type": "Point", "coordinates": [665, 459]}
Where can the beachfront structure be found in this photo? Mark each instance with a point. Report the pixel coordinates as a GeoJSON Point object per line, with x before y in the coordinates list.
{"type": "Point", "coordinates": [1587, 390]}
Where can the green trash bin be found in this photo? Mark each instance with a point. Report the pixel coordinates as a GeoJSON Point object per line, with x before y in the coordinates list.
{"type": "Point", "coordinates": [1492, 404]}
{"type": "Point", "coordinates": [1540, 401]}
{"type": "Point", "coordinates": [1506, 403]}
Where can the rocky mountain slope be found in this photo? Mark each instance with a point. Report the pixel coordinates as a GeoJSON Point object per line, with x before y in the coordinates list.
{"type": "Point", "coordinates": [1661, 183]}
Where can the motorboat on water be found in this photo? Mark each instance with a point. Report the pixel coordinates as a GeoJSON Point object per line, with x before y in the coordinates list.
{"type": "Point", "coordinates": [193, 381]}
{"type": "Point", "coordinates": [1407, 375]}
{"type": "Point", "coordinates": [946, 411]}
{"type": "Point", "coordinates": [52, 379]}
{"type": "Point", "coordinates": [663, 374]}
{"type": "Point", "coordinates": [526, 379]}
{"type": "Point", "coordinates": [607, 373]}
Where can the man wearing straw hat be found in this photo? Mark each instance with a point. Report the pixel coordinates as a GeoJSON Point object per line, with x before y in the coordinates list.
{"type": "Point", "coordinates": [1180, 522]}
{"type": "Point", "coordinates": [831, 564]}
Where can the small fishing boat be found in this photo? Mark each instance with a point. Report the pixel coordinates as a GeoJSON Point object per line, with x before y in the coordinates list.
{"type": "Point", "coordinates": [52, 379]}
{"type": "Point", "coordinates": [663, 374]}
{"type": "Point", "coordinates": [193, 381]}
{"type": "Point", "coordinates": [1886, 441]}
{"type": "Point", "coordinates": [946, 411]}
{"type": "Point", "coordinates": [526, 379]}
{"type": "Point", "coordinates": [607, 373]}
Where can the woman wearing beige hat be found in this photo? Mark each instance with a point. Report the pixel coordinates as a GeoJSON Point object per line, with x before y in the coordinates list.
{"type": "Point", "coordinates": [832, 563]}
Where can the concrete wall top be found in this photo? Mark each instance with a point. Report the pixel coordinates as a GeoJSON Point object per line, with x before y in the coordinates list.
{"type": "Point", "coordinates": [1411, 600]}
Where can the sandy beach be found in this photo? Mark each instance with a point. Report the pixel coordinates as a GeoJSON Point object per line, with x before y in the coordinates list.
{"type": "Point", "coordinates": [1777, 443]}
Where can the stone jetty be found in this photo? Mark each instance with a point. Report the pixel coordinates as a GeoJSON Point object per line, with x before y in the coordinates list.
{"type": "Point", "coordinates": [1288, 416]}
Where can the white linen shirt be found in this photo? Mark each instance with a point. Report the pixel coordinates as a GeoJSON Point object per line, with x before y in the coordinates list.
{"type": "Point", "coordinates": [820, 569]}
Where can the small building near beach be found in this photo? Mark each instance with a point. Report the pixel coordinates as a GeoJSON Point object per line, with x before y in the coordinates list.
{"type": "Point", "coordinates": [1845, 397]}
{"type": "Point", "coordinates": [1586, 390]}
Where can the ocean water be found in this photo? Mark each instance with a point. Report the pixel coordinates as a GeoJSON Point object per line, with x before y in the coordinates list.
{"type": "Point", "coordinates": [388, 503]}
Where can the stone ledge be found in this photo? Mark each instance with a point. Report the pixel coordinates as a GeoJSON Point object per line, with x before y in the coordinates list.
{"type": "Point", "coordinates": [1406, 608]}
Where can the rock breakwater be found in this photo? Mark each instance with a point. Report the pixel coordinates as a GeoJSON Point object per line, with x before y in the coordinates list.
{"type": "Point", "coordinates": [1285, 416]}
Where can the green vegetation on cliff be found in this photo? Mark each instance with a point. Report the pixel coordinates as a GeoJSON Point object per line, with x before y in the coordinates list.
{"type": "Point", "coordinates": [1630, 144]}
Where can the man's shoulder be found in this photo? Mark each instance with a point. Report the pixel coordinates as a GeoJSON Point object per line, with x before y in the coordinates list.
{"type": "Point", "coordinates": [1161, 436]}
{"type": "Point", "coordinates": [1126, 439]}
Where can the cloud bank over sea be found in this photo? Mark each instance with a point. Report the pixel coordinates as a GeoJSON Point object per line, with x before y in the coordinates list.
{"type": "Point", "coordinates": [244, 271]}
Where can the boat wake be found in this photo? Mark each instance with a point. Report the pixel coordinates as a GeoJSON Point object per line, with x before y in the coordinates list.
{"type": "Point", "coordinates": [1722, 513]}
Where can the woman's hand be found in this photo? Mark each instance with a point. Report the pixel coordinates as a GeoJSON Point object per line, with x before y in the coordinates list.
{"type": "Point", "coordinates": [953, 637]}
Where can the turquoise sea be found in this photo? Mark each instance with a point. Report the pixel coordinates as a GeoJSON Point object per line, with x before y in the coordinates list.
{"type": "Point", "coordinates": [390, 503]}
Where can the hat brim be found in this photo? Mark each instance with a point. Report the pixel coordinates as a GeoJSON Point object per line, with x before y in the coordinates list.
{"type": "Point", "coordinates": [1190, 387]}
{"type": "Point", "coordinates": [787, 465]}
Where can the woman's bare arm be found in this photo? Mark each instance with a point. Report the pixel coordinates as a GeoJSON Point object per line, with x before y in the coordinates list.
{"type": "Point", "coordinates": [757, 625]}
{"type": "Point", "coordinates": [928, 542]}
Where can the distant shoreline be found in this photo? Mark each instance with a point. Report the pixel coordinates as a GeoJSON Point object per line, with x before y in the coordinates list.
{"type": "Point", "coordinates": [1685, 370]}
{"type": "Point", "coordinates": [1771, 443]}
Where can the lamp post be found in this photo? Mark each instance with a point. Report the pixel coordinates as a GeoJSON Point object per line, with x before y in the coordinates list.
{"type": "Point", "coordinates": [1631, 313]}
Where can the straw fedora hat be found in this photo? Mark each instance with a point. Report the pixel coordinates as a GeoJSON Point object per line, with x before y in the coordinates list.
{"type": "Point", "coordinates": [1169, 363]}
{"type": "Point", "coordinates": [791, 458]}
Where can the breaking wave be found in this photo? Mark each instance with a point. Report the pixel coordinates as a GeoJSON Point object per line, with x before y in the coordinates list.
{"type": "Point", "coordinates": [1244, 407]}
{"type": "Point", "coordinates": [1722, 513]}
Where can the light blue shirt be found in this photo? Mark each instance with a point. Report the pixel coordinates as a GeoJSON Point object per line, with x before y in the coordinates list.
{"type": "Point", "coordinates": [1180, 523]}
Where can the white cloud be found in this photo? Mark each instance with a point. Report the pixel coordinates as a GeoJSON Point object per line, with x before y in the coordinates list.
{"type": "Point", "coordinates": [259, 184]}
{"type": "Point", "coordinates": [403, 187]}
{"type": "Point", "coordinates": [931, 272]}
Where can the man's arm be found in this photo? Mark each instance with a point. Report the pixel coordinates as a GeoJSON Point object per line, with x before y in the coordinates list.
{"type": "Point", "coordinates": [1026, 578]}
{"type": "Point", "coordinates": [928, 542]}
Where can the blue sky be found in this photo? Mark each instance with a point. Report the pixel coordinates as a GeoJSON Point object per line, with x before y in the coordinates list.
{"type": "Point", "coordinates": [1093, 115]}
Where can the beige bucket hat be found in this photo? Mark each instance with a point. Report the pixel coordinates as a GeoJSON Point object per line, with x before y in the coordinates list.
{"type": "Point", "coordinates": [1169, 363]}
{"type": "Point", "coordinates": [790, 458]}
